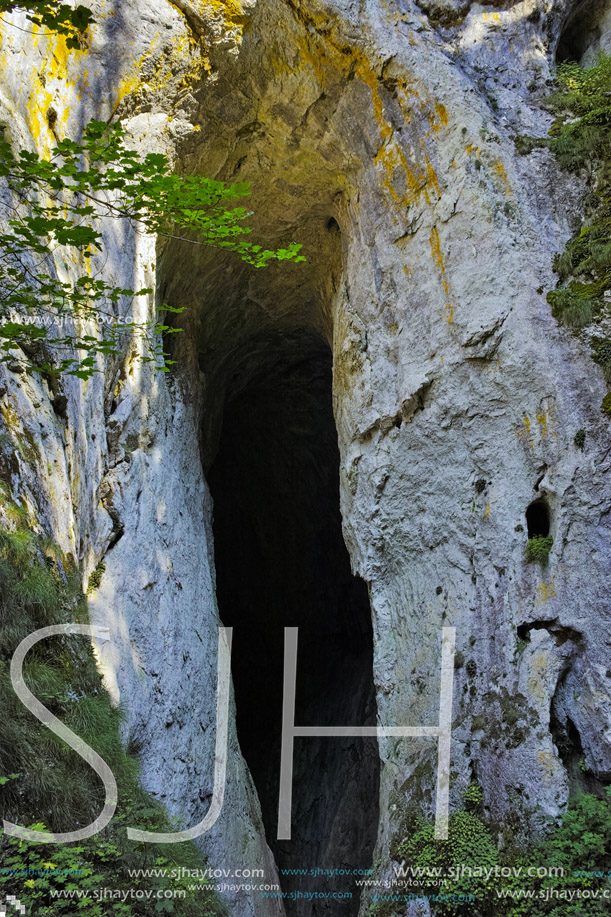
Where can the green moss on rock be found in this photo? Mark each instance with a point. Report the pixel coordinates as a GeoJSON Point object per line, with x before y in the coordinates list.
{"type": "Point", "coordinates": [538, 549]}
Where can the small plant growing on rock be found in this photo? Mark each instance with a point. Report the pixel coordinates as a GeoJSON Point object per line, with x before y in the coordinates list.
{"type": "Point", "coordinates": [538, 548]}
{"type": "Point", "coordinates": [580, 439]}
{"type": "Point", "coordinates": [473, 797]}
{"type": "Point", "coordinates": [602, 355]}
{"type": "Point", "coordinates": [96, 578]}
{"type": "Point", "coordinates": [521, 645]}
{"type": "Point", "coordinates": [469, 843]}
{"type": "Point", "coordinates": [570, 307]}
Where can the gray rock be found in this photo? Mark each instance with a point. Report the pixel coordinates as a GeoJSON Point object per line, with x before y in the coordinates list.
{"type": "Point", "coordinates": [448, 370]}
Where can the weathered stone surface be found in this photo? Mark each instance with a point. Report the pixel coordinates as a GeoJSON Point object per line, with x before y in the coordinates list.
{"type": "Point", "coordinates": [397, 122]}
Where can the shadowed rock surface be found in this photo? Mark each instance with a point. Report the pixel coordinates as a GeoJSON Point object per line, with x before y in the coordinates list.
{"type": "Point", "coordinates": [381, 136]}
{"type": "Point", "coordinates": [281, 562]}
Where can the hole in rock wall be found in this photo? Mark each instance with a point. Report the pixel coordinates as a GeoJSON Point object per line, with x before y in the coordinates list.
{"type": "Point", "coordinates": [537, 519]}
{"type": "Point", "coordinates": [568, 742]}
{"type": "Point", "coordinates": [281, 561]}
{"type": "Point", "coordinates": [586, 32]}
{"type": "Point", "coordinates": [256, 348]}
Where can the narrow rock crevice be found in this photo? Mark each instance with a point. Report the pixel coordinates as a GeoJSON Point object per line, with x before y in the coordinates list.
{"type": "Point", "coordinates": [257, 347]}
{"type": "Point", "coordinates": [281, 561]}
{"type": "Point", "coordinates": [568, 742]}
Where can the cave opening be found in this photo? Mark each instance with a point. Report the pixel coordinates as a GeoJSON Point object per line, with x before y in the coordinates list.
{"type": "Point", "coordinates": [537, 519]}
{"type": "Point", "coordinates": [281, 561]}
{"type": "Point", "coordinates": [256, 361]}
{"type": "Point", "coordinates": [568, 744]}
{"type": "Point", "coordinates": [586, 32]}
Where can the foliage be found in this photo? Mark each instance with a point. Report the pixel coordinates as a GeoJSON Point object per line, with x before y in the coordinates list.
{"type": "Point", "coordinates": [602, 355]}
{"type": "Point", "coordinates": [96, 578]}
{"type": "Point", "coordinates": [469, 844]}
{"type": "Point", "coordinates": [579, 845]}
{"type": "Point", "coordinates": [581, 139]}
{"type": "Point", "coordinates": [103, 863]}
{"type": "Point", "coordinates": [570, 307]}
{"type": "Point", "coordinates": [69, 21]}
{"type": "Point", "coordinates": [606, 405]}
{"type": "Point", "coordinates": [580, 439]}
{"type": "Point", "coordinates": [41, 779]}
{"type": "Point", "coordinates": [5, 780]}
{"type": "Point", "coordinates": [473, 797]}
{"type": "Point", "coordinates": [538, 548]}
{"type": "Point", "coordinates": [580, 134]}
{"type": "Point", "coordinates": [50, 214]}
{"type": "Point", "coordinates": [54, 208]}
{"type": "Point", "coordinates": [525, 144]}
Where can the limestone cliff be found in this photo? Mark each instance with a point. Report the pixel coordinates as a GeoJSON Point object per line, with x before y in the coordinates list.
{"type": "Point", "coordinates": [381, 135]}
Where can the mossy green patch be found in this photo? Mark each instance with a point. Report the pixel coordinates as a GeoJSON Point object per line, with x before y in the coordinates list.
{"type": "Point", "coordinates": [580, 439]}
{"type": "Point", "coordinates": [538, 548]}
{"type": "Point", "coordinates": [601, 354]}
{"type": "Point", "coordinates": [471, 862]}
{"type": "Point", "coordinates": [96, 578]}
{"type": "Point", "coordinates": [581, 139]}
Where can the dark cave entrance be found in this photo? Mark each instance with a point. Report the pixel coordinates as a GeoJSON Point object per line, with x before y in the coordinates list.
{"type": "Point", "coordinates": [586, 32]}
{"type": "Point", "coordinates": [537, 519]}
{"type": "Point", "coordinates": [281, 561]}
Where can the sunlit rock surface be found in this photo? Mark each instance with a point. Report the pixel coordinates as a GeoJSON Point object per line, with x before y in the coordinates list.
{"type": "Point", "coordinates": [382, 137]}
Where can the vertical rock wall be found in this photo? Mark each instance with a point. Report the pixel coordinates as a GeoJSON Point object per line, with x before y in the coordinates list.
{"type": "Point", "coordinates": [457, 396]}
{"type": "Point", "coordinates": [116, 477]}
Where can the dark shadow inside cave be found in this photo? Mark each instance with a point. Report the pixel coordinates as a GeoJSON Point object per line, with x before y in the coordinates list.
{"type": "Point", "coordinates": [537, 519]}
{"type": "Point", "coordinates": [586, 31]}
{"type": "Point", "coordinates": [281, 561]}
{"type": "Point", "coordinates": [568, 743]}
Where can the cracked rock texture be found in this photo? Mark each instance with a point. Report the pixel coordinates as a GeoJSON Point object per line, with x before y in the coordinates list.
{"type": "Point", "coordinates": [381, 135]}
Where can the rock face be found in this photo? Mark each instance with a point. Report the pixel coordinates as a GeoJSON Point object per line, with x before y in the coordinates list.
{"type": "Point", "coordinates": [381, 136]}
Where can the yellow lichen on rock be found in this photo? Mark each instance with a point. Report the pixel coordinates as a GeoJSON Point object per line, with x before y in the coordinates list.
{"type": "Point", "coordinates": [53, 89]}
{"type": "Point", "coordinates": [437, 254]}
{"type": "Point", "coordinates": [230, 10]}
{"type": "Point", "coordinates": [500, 171]}
{"type": "Point", "coordinates": [546, 421]}
{"type": "Point", "coordinates": [391, 155]}
{"type": "Point", "coordinates": [538, 679]}
{"type": "Point", "coordinates": [546, 591]}
{"type": "Point", "coordinates": [182, 47]}
{"type": "Point", "coordinates": [223, 18]}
